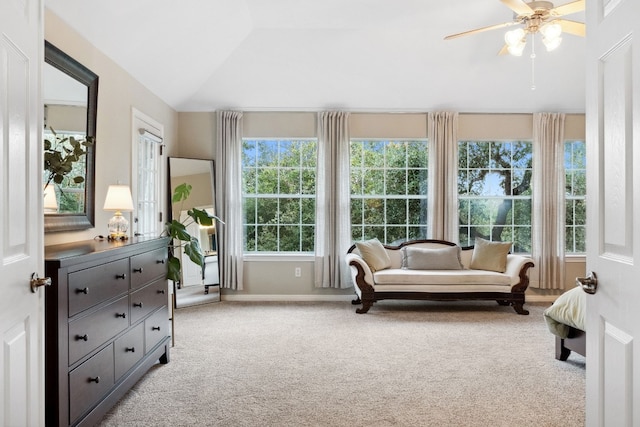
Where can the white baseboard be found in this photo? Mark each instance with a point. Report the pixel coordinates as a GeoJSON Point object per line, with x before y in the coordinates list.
{"type": "Point", "coordinates": [287, 298]}
{"type": "Point", "coordinates": [331, 298]}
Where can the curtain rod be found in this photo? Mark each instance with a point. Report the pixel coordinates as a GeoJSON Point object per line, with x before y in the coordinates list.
{"type": "Point", "coordinates": [150, 135]}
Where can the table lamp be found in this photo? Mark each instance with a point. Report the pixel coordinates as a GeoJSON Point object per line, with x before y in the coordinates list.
{"type": "Point", "coordinates": [118, 199]}
{"type": "Point", "coordinates": [50, 200]}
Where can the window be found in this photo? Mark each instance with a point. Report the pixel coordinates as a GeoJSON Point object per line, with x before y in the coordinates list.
{"type": "Point", "coordinates": [389, 181]}
{"type": "Point", "coordinates": [494, 192]}
{"type": "Point", "coordinates": [279, 189]}
{"type": "Point", "coordinates": [147, 176]}
{"type": "Point", "coordinates": [147, 206]}
{"type": "Point", "coordinates": [575, 168]}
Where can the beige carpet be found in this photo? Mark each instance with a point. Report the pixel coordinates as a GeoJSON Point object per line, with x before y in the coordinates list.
{"type": "Point", "coordinates": [321, 364]}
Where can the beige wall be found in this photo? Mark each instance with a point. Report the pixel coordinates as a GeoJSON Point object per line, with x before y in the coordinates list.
{"type": "Point", "coordinates": [201, 195]}
{"type": "Point", "coordinates": [66, 118]}
{"type": "Point", "coordinates": [274, 277]}
{"type": "Point", "coordinates": [118, 94]}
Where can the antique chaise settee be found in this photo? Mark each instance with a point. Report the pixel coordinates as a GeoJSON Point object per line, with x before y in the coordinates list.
{"type": "Point", "coordinates": [438, 270]}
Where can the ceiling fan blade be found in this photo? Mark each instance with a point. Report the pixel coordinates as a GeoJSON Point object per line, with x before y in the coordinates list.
{"type": "Point", "coordinates": [572, 27]}
{"type": "Point", "coordinates": [568, 9]}
{"type": "Point", "coordinates": [504, 50]}
{"type": "Point", "coordinates": [480, 30]}
{"type": "Point", "coordinates": [519, 7]}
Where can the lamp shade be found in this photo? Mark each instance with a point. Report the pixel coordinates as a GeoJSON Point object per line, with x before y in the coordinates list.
{"type": "Point", "coordinates": [50, 200]}
{"type": "Point", "coordinates": [118, 199]}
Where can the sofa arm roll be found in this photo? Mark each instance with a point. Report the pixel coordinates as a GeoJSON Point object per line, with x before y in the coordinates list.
{"type": "Point", "coordinates": [361, 274]}
{"type": "Point", "coordinates": [517, 266]}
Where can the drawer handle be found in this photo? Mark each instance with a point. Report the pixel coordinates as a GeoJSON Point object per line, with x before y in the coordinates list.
{"type": "Point", "coordinates": [95, 380]}
{"type": "Point", "coordinates": [121, 276]}
{"type": "Point", "coordinates": [155, 328]}
{"type": "Point", "coordinates": [82, 291]}
{"type": "Point", "coordinates": [131, 349]}
{"type": "Point", "coordinates": [137, 304]}
{"type": "Point", "coordinates": [84, 337]}
{"type": "Point", "coordinates": [161, 291]}
{"type": "Point", "coordinates": [160, 261]}
{"type": "Point", "coordinates": [123, 315]}
{"type": "Point", "coordinates": [137, 270]}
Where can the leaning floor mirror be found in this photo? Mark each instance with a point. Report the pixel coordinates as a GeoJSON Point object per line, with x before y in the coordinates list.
{"type": "Point", "coordinates": [197, 286]}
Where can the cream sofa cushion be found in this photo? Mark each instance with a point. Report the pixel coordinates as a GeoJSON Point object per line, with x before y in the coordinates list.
{"type": "Point", "coordinates": [445, 258]}
{"type": "Point", "coordinates": [374, 254]}
{"type": "Point", "coordinates": [491, 256]}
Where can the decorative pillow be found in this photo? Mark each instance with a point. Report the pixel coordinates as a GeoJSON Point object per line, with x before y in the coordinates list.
{"type": "Point", "coordinates": [447, 258]}
{"type": "Point", "coordinates": [374, 254]}
{"type": "Point", "coordinates": [490, 256]}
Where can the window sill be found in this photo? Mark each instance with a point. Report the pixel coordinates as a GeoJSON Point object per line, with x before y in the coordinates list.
{"type": "Point", "coordinates": [273, 256]}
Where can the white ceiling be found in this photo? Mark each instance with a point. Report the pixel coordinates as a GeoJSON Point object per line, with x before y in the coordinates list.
{"type": "Point", "coordinates": [359, 55]}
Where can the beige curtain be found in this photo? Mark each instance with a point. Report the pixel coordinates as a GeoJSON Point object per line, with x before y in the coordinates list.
{"type": "Point", "coordinates": [442, 131]}
{"type": "Point", "coordinates": [333, 225]}
{"type": "Point", "coordinates": [548, 199]}
{"type": "Point", "coordinates": [228, 198]}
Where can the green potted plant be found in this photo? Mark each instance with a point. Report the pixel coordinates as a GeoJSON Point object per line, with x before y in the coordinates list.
{"type": "Point", "coordinates": [63, 160]}
{"type": "Point", "coordinates": [178, 232]}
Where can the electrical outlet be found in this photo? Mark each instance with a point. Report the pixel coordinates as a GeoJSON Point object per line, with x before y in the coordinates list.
{"type": "Point", "coordinates": [298, 272]}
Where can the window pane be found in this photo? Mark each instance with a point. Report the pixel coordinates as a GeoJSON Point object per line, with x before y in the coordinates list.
{"type": "Point", "coordinates": [396, 211]}
{"type": "Point", "coordinates": [373, 211]}
{"type": "Point", "coordinates": [267, 238]}
{"type": "Point", "coordinates": [396, 181]}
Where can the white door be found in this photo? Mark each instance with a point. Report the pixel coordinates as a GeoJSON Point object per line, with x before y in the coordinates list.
{"type": "Point", "coordinates": [21, 217]}
{"type": "Point", "coordinates": [613, 209]}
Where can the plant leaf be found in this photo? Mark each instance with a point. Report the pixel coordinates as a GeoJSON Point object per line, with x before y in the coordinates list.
{"type": "Point", "coordinates": [177, 230]}
{"type": "Point", "coordinates": [173, 269]}
{"type": "Point", "coordinates": [194, 252]}
{"type": "Point", "coordinates": [181, 192]}
{"type": "Point", "coordinates": [200, 216]}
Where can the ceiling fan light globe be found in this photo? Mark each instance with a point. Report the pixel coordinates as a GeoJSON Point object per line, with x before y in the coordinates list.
{"type": "Point", "coordinates": [551, 44]}
{"type": "Point", "coordinates": [517, 49]}
{"type": "Point", "coordinates": [514, 37]}
{"type": "Point", "coordinates": [551, 31]}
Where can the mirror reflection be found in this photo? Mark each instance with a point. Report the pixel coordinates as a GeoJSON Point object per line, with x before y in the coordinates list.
{"type": "Point", "coordinates": [70, 100]}
{"type": "Point", "coordinates": [197, 286]}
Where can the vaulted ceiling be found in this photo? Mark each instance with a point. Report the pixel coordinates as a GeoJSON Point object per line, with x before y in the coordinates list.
{"type": "Point", "coordinates": [359, 55]}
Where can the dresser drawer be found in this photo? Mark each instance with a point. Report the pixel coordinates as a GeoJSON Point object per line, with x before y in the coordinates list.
{"type": "Point", "coordinates": [148, 299]}
{"type": "Point", "coordinates": [96, 284]}
{"type": "Point", "coordinates": [156, 327]}
{"type": "Point", "coordinates": [89, 332]}
{"type": "Point", "coordinates": [89, 382]}
{"type": "Point", "coordinates": [128, 349]}
{"type": "Point", "coordinates": [148, 266]}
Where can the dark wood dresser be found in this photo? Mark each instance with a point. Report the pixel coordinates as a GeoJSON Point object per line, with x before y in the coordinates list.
{"type": "Point", "coordinates": [107, 323]}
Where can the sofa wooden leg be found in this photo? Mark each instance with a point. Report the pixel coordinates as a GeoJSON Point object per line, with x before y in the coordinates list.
{"type": "Point", "coordinates": [366, 305]}
{"type": "Point", "coordinates": [356, 301]}
{"type": "Point", "coordinates": [502, 302]}
{"type": "Point", "coordinates": [518, 307]}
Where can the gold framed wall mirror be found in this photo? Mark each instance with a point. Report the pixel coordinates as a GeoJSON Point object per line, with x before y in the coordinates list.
{"type": "Point", "coordinates": [198, 286]}
{"type": "Point", "coordinates": [70, 95]}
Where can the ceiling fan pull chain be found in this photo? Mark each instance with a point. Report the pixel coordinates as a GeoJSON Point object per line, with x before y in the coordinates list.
{"type": "Point", "coordinates": [533, 59]}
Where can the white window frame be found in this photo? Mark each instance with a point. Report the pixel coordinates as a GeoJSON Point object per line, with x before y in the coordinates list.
{"type": "Point", "coordinates": [492, 198]}
{"type": "Point", "coordinates": [261, 255]}
{"type": "Point", "coordinates": [567, 198]}
{"type": "Point", "coordinates": [145, 129]}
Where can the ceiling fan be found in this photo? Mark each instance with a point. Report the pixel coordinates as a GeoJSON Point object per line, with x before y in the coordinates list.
{"type": "Point", "coordinates": [535, 16]}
